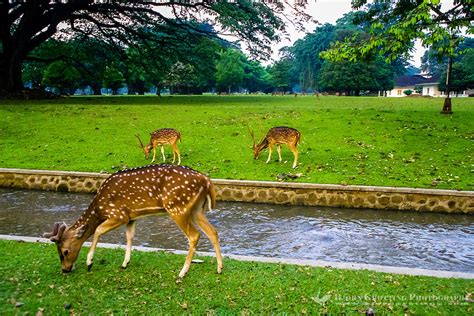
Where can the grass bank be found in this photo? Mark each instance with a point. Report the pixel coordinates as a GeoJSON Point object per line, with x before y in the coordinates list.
{"type": "Point", "coordinates": [346, 140]}
{"type": "Point", "coordinates": [30, 281]}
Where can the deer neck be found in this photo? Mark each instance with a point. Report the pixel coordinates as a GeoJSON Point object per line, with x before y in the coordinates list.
{"type": "Point", "coordinates": [90, 220]}
{"type": "Point", "coordinates": [262, 145]}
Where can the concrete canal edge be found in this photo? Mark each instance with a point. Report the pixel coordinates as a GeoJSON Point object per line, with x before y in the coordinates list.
{"type": "Point", "coordinates": [306, 262]}
{"type": "Point", "coordinates": [309, 194]}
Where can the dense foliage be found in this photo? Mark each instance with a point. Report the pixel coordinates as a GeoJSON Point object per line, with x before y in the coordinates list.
{"type": "Point", "coordinates": [186, 55]}
{"type": "Point", "coordinates": [213, 64]}
{"type": "Point", "coordinates": [162, 25]}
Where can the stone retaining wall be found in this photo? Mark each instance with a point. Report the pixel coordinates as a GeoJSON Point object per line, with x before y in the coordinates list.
{"type": "Point", "coordinates": [408, 199]}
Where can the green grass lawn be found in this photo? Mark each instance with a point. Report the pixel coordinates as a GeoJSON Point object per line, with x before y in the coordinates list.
{"type": "Point", "coordinates": [345, 140]}
{"type": "Point", "coordinates": [31, 281]}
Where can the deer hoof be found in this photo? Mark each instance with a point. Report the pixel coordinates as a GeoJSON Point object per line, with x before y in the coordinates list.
{"type": "Point", "coordinates": [89, 267]}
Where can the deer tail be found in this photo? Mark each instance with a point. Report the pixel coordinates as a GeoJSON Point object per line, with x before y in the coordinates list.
{"type": "Point", "coordinates": [211, 196]}
{"type": "Point", "coordinates": [298, 138]}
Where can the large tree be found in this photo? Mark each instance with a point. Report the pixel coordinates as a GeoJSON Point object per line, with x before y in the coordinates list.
{"type": "Point", "coordinates": [356, 77]}
{"type": "Point", "coordinates": [396, 24]}
{"type": "Point", "coordinates": [306, 55]}
{"type": "Point", "coordinates": [229, 70]}
{"type": "Point", "coordinates": [24, 25]}
{"type": "Point", "coordinates": [463, 73]}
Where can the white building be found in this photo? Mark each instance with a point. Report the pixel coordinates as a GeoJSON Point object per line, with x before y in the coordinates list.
{"type": "Point", "coordinates": [423, 86]}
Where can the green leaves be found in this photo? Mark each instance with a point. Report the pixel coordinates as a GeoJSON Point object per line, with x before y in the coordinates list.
{"type": "Point", "coordinates": [395, 25]}
{"type": "Point", "coordinates": [230, 70]}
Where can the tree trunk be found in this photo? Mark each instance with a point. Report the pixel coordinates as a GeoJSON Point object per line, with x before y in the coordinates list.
{"type": "Point", "coordinates": [158, 90]}
{"type": "Point", "coordinates": [10, 75]}
{"type": "Point", "coordinates": [140, 87]}
{"type": "Point", "coordinates": [447, 101]}
{"type": "Point", "coordinates": [96, 88]}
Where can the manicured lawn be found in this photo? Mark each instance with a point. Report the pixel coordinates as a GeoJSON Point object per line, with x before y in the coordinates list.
{"type": "Point", "coordinates": [31, 281]}
{"type": "Point", "coordinates": [346, 140]}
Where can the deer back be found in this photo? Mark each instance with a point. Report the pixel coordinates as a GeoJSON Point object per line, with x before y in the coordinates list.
{"type": "Point", "coordinates": [164, 136]}
{"type": "Point", "coordinates": [142, 191]}
{"type": "Point", "coordinates": [283, 135]}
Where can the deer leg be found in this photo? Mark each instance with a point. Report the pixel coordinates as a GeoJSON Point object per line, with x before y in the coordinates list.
{"type": "Point", "coordinates": [163, 153]}
{"type": "Point", "coordinates": [295, 153]}
{"type": "Point", "coordinates": [269, 153]}
{"type": "Point", "coordinates": [130, 234]}
{"type": "Point", "coordinates": [106, 226]}
{"type": "Point", "coordinates": [211, 233]}
{"type": "Point", "coordinates": [154, 154]}
{"type": "Point", "coordinates": [176, 150]}
{"type": "Point", "coordinates": [279, 153]}
{"type": "Point", "coordinates": [174, 154]}
{"type": "Point", "coordinates": [184, 222]}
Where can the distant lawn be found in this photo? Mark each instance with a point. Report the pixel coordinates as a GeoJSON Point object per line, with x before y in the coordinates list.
{"type": "Point", "coordinates": [31, 281]}
{"type": "Point", "coordinates": [346, 140]}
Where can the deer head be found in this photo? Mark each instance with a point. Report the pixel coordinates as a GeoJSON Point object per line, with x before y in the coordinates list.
{"type": "Point", "coordinates": [68, 241]}
{"type": "Point", "coordinates": [255, 147]}
{"type": "Point", "coordinates": [146, 149]}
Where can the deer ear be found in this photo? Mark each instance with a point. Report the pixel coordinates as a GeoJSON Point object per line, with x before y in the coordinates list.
{"type": "Point", "coordinates": [80, 231]}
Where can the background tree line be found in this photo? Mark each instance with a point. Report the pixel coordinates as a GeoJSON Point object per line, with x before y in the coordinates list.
{"type": "Point", "coordinates": [203, 64]}
{"type": "Point", "coordinates": [190, 66]}
{"type": "Point", "coordinates": [309, 67]}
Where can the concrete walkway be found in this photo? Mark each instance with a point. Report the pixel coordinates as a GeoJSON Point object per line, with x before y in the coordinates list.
{"type": "Point", "coordinates": [312, 263]}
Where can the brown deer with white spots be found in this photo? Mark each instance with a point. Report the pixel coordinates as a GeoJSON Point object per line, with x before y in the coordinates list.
{"type": "Point", "coordinates": [125, 196]}
{"type": "Point", "coordinates": [161, 137]}
{"type": "Point", "coordinates": [277, 136]}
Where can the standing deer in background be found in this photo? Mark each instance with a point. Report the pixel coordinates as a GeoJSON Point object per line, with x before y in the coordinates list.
{"type": "Point", "coordinates": [160, 138]}
{"type": "Point", "coordinates": [277, 136]}
{"type": "Point", "coordinates": [127, 195]}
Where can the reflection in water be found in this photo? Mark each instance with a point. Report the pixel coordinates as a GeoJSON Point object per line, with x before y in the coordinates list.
{"type": "Point", "coordinates": [409, 239]}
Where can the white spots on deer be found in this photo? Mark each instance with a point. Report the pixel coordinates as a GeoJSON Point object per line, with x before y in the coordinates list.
{"type": "Point", "coordinates": [156, 186]}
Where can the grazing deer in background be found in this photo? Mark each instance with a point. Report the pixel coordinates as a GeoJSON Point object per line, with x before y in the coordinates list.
{"type": "Point", "coordinates": [162, 137]}
{"type": "Point", "coordinates": [127, 195]}
{"type": "Point", "coordinates": [277, 136]}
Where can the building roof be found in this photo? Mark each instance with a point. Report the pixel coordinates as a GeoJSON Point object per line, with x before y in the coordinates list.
{"type": "Point", "coordinates": [413, 80]}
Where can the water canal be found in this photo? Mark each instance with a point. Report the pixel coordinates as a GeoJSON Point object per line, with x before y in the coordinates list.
{"type": "Point", "coordinates": [394, 238]}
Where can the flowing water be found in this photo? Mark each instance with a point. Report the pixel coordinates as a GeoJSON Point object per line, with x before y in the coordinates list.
{"type": "Point", "coordinates": [408, 239]}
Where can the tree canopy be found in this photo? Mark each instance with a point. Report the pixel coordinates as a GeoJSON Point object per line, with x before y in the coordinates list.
{"type": "Point", "coordinates": [316, 74]}
{"type": "Point", "coordinates": [393, 26]}
{"type": "Point", "coordinates": [25, 25]}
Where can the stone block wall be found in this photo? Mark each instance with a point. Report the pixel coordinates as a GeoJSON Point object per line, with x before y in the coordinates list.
{"type": "Point", "coordinates": [407, 199]}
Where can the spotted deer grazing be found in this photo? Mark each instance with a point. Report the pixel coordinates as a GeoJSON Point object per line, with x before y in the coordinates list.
{"type": "Point", "coordinates": [128, 195]}
{"type": "Point", "coordinates": [277, 136]}
{"type": "Point", "coordinates": [160, 138]}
